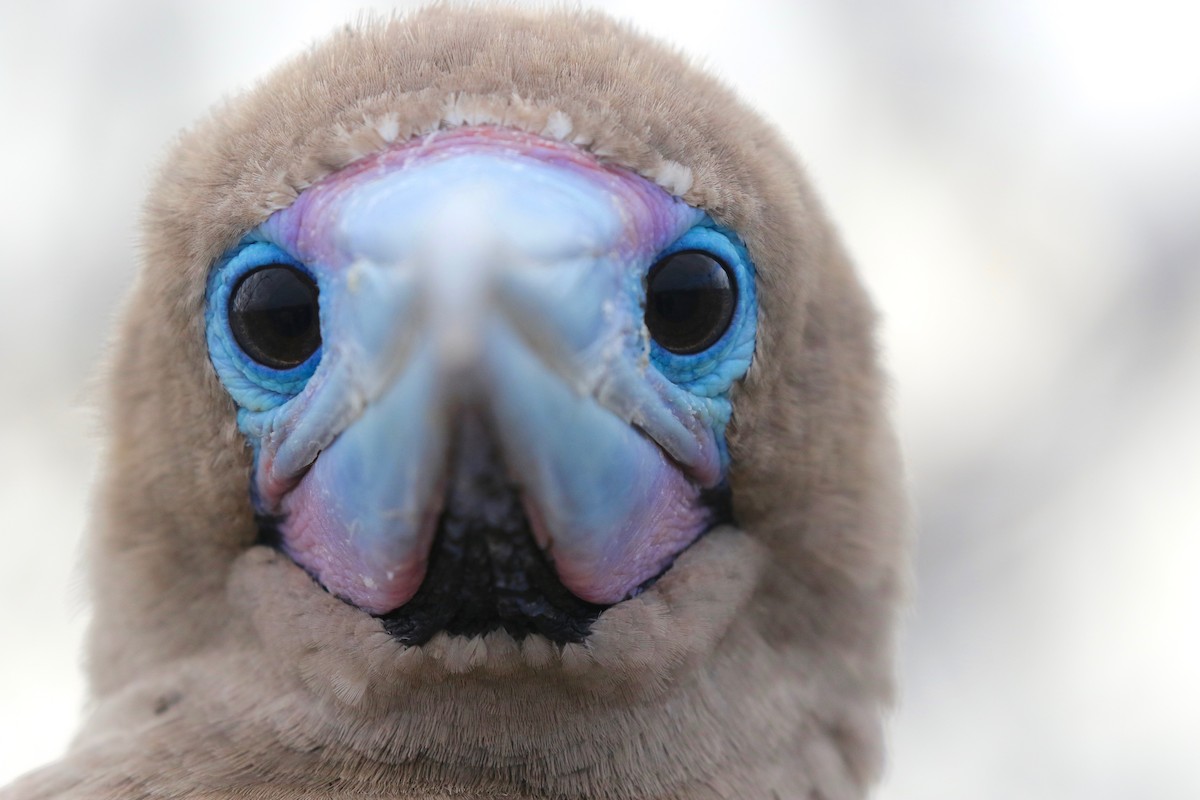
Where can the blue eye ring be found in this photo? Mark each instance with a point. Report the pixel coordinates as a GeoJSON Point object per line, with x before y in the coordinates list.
{"type": "Point", "coordinates": [709, 372]}
{"type": "Point", "coordinates": [254, 386]}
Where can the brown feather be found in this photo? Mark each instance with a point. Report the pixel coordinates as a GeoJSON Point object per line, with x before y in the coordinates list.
{"type": "Point", "coordinates": [758, 667]}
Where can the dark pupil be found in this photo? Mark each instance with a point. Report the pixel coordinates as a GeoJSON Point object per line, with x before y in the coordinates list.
{"type": "Point", "coordinates": [273, 314]}
{"type": "Point", "coordinates": [690, 298]}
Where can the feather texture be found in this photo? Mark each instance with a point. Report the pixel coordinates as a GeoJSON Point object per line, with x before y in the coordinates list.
{"type": "Point", "coordinates": [758, 666]}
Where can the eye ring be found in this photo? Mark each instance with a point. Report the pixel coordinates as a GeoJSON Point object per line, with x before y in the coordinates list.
{"type": "Point", "coordinates": [274, 315]}
{"type": "Point", "coordinates": [691, 299]}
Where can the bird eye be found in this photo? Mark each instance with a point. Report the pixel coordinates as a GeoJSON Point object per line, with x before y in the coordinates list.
{"type": "Point", "coordinates": [274, 317]}
{"type": "Point", "coordinates": [690, 300]}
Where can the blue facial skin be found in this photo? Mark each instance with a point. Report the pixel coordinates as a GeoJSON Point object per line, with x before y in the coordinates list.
{"type": "Point", "coordinates": [709, 376]}
{"type": "Point", "coordinates": [505, 281]}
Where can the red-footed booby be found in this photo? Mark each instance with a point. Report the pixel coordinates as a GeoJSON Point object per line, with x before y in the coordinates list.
{"type": "Point", "coordinates": [496, 415]}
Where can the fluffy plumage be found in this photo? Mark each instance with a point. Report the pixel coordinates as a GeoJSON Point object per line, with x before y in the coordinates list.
{"type": "Point", "coordinates": [758, 666]}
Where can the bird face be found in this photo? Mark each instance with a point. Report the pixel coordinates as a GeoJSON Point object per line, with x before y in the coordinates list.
{"type": "Point", "coordinates": [486, 380]}
{"type": "Point", "coordinates": [453, 313]}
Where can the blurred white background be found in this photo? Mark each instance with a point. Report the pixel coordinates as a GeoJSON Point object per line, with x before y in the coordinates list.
{"type": "Point", "coordinates": [1020, 183]}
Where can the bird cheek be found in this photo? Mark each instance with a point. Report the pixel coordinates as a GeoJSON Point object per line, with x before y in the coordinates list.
{"type": "Point", "coordinates": [376, 561]}
{"type": "Point", "coordinates": [652, 525]}
{"type": "Point", "coordinates": [362, 516]}
{"type": "Point", "coordinates": [606, 503]}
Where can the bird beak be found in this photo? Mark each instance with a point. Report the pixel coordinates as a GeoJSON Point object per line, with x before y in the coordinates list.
{"type": "Point", "coordinates": [473, 297]}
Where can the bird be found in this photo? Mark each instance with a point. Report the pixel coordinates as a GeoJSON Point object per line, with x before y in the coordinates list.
{"type": "Point", "coordinates": [496, 414]}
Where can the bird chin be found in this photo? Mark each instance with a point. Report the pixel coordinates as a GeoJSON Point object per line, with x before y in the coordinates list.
{"type": "Point", "coordinates": [481, 557]}
{"type": "Point", "coordinates": [634, 646]}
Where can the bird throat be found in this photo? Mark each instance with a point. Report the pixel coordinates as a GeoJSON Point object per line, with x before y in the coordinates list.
{"type": "Point", "coordinates": [486, 571]}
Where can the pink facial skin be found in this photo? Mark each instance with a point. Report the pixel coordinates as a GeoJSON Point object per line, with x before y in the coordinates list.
{"type": "Point", "coordinates": [501, 271]}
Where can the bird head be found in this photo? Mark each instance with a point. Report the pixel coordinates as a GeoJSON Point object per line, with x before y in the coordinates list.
{"type": "Point", "coordinates": [496, 413]}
